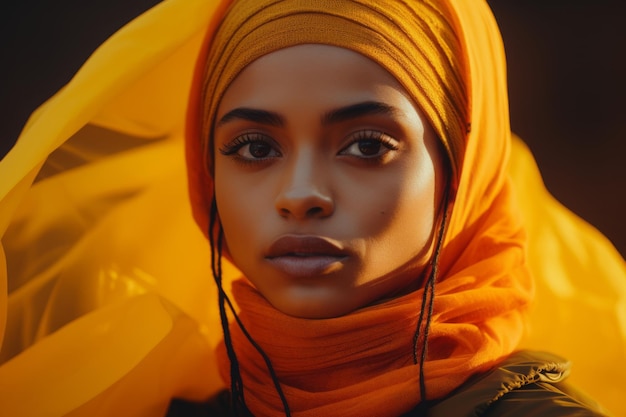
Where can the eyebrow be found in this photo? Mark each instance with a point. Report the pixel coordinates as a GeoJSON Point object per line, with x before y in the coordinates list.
{"type": "Point", "coordinates": [253, 115]}
{"type": "Point", "coordinates": [354, 111]}
{"type": "Point", "coordinates": [339, 115]}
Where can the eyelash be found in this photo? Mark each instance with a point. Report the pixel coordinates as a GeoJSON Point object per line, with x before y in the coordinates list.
{"type": "Point", "coordinates": [372, 135]}
{"type": "Point", "coordinates": [232, 148]}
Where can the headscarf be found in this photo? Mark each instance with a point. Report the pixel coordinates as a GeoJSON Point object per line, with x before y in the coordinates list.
{"type": "Point", "coordinates": [449, 57]}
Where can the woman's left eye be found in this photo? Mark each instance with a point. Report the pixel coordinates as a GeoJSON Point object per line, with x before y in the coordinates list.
{"type": "Point", "coordinates": [370, 144]}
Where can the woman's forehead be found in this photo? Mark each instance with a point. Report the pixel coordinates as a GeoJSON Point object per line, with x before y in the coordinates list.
{"type": "Point", "coordinates": [329, 75]}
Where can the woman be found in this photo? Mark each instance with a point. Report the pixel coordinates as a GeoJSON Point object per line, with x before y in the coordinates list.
{"type": "Point", "coordinates": [321, 149]}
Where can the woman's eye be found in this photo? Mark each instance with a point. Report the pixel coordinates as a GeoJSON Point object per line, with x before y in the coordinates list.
{"type": "Point", "coordinates": [257, 150]}
{"type": "Point", "coordinates": [370, 144]}
{"type": "Point", "coordinates": [251, 147]}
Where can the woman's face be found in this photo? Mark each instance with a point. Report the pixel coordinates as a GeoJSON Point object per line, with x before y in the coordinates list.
{"type": "Point", "coordinates": [327, 179]}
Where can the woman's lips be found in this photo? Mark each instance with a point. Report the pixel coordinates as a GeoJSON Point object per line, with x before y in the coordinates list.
{"type": "Point", "coordinates": [306, 256]}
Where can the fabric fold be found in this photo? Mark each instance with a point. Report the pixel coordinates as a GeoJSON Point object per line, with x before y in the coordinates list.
{"type": "Point", "coordinates": [134, 350]}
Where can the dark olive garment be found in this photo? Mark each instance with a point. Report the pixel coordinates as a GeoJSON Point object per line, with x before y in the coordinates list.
{"type": "Point", "coordinates": [526, 384]}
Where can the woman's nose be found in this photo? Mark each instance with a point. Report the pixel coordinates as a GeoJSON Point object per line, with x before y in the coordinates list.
{"type": "Point", "coordinates": [304, 192]}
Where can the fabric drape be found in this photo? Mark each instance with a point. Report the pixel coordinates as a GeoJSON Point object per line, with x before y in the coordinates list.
{"type": "Point", "coordinates": [106, 301]}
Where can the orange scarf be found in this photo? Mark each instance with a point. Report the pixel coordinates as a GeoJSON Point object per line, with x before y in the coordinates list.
{"type": "Point", "coordinates": [362, 363]}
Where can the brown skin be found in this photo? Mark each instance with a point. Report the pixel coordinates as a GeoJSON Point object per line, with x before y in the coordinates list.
{"type": "Point", "coordinates": [325, 214]}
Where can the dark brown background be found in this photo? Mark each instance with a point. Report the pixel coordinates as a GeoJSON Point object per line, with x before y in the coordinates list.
{"type": "Point", "coordinates": [567, 83]}
{"type": "Point", "coordinates": [567, 86]}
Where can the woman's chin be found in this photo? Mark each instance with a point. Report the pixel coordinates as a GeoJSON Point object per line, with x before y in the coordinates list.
{"type": "Point", "coordinates": [308, 303]}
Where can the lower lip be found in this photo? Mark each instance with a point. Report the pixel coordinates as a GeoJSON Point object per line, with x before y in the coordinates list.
{"type": "Point", "coordinates": [307, 266]}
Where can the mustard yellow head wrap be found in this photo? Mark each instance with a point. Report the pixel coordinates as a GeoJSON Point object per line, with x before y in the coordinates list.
{"type": "Point", "coordinates": [412, 40]}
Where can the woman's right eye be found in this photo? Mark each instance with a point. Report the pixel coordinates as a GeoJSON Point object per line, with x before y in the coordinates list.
{"type": "Point", "coordinates": [251, 147]}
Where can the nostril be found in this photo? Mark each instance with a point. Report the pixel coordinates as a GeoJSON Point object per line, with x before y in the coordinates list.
{"type": "Point", "coordinates": [311, 212]}
{"type": "Point", "coordinates": [314, 211]}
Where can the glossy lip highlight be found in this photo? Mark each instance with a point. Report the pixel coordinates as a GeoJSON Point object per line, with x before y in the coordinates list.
{"type": "Point", "coordinates": [306, 256]}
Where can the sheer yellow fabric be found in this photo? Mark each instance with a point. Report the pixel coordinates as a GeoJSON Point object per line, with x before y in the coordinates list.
{"type": "Point", "coordinates": [106, 300]}
{"type": "Point", "coordinates": [107, 273]}
{"type": "Point", "coordinates": [580, 301]}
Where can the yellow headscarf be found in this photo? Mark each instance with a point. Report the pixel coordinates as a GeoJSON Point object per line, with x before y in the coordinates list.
{"type": "Point", "coordinates": [103, 297]}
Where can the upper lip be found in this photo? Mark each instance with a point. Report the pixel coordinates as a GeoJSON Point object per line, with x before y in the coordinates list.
{"type": "Point", "coordinates": [301, 245]}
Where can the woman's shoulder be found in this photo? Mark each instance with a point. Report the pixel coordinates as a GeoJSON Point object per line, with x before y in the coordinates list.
{"type": "Point", "coordinates": [527, 383]}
